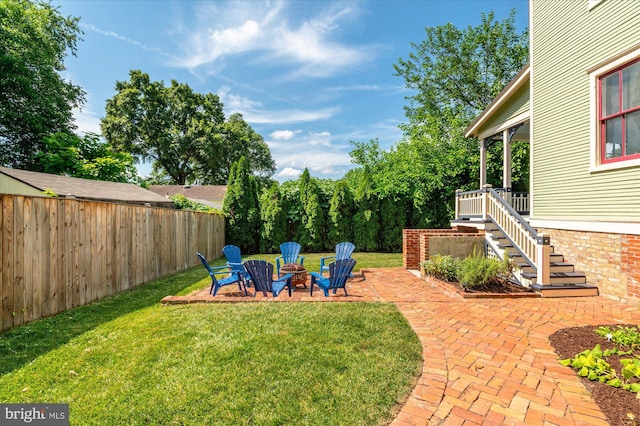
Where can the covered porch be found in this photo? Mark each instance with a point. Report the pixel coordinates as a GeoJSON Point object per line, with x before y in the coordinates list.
{"type": "Point", "coordinates": [502, 212]}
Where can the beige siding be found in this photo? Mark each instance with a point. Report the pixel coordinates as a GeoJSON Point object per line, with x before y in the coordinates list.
{"type": "Point", "coordinates": [517, 104]}
{"type": "Point", "coordinates": [9, 185]}
{"type": "Point", "coordinates": [567, 40]}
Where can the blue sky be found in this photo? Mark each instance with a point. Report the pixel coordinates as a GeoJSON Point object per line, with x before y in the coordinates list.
{"type": "Point", "coordinates": [309, 76]}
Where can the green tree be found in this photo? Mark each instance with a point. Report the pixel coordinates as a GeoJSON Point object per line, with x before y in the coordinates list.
{"type": "Point", "coordinates": [341, 212]}
{"type": "Point", "coordinates": [311, 232]}
{"type": "Point", "coordinates": [85, 157]}
{"type": "Point", "coordinates": [273, 220]}
{"type": "Point", "coordinates": [453, 74]}
{"type": "Point", "coordinates": [394, 211]}
{"type": "Point", "coordinates": [366, 225]}
{"type": "Point", "coordinates": [458, 72]}
{"type": "Point", "coordinates": [183, 133]}
{"type": "Point", "coordinates": [235, 139]}
{"type": "Point", "coordinates": [241, 208]}
{"type": "Point", "coordinates": [34, 99]}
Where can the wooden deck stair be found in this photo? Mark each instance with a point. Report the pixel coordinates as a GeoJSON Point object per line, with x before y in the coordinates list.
{"type": "Point", "coordinates": [564, 280]}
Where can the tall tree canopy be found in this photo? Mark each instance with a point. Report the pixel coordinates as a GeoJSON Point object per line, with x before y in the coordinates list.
{"type": "Point", "coordinates": [34, 99]}
{"type": "Point", "coordinates": [242, 209]}
{"type": "Point", "coordinates": [236, 139]}
{"type": "Point", "coordinates": [183, 133]}
{"type": "Point", "coordinates": [454, 73]}
{"type": "Point", "coordinates": [85, 157]}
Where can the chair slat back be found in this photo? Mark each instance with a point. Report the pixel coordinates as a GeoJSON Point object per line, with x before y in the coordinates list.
{"type": "Point", "coordinates": [261, 273]}
{"type": "Point", "coordinates": [344, 250]}
{"type": "Point", "coordinates": [339, 272]}
{"type": "Point", "coordinates": [206, 265]}
{"type": "Point", "coordinates": [232, 253]}
{"type": "Point", "coordinates": [234, 258]}
{"type": "Point", "coordinates": [290, 251]}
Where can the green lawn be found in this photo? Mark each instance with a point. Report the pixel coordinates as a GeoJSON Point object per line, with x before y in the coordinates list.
{"type": "Point", "coordinates": [128, 360]}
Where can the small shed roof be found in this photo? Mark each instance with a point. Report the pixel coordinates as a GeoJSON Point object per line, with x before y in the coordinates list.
{"type": "Point", "coordinates": [202, 192]}
{"type": "Point", "coordinates": [87, 189]}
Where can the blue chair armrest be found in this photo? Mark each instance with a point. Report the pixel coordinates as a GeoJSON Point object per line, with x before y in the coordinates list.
{"type": "Point", "coordinates": [278, 264]}
{"type": "Point", "coordinates": [322, 262]}
{"type": "Point", "coordinates": [221, 269]}
{"type": "Point", "coordinates": [301, 259]}
{"type": "Point", "coordinates": [283, 278]}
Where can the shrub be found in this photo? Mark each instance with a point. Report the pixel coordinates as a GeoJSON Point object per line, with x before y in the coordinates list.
{"type": "Point", "coordinates": [442, 267]}
{"type": "Point", "coordinates": [479, 271]}
{"type": "Point", "coordinates": [183, 203]}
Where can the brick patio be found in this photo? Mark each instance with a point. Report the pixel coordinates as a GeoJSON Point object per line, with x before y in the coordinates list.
{"type": "Point", "coordinates": [486, 361]}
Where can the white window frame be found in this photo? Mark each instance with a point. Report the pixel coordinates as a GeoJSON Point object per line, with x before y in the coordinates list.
{"type": "Point", "coordinates": [594, 131]}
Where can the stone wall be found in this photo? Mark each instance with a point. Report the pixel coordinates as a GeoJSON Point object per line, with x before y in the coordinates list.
{"type": "Point", "coordinates": [610, 261]}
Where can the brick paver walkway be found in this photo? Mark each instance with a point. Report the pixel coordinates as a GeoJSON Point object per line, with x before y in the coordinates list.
{"type": "Point", "coordinates": [486, 361]}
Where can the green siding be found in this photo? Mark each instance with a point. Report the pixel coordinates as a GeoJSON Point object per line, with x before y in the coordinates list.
{"type": "Point", "coordinates": [9, 185]}
{"type": "Point", "coordinates": [517, 104]}
{"type": "Point", "coordinates": [567, 40]}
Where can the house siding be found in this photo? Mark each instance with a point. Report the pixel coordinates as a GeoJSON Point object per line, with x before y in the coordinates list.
{"type": "Point", "coordinates": [518, 104]}
{"type": "Point", "coordinates": [9, 185]}
{"type": "Point", "coordinates": [567, 40]}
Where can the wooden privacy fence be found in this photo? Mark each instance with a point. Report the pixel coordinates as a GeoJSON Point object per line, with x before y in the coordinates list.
{"type": "Point", "coordinates": [59, 253]}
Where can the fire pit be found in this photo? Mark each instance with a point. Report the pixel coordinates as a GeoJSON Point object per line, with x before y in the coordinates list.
{"type": "Point", "coordinates": [297, 271]}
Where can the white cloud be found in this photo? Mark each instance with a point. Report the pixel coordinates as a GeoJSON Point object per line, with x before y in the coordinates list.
{"type": "Point", "coordinates": [254, 113]}
{"type": "Point", "coordinates": [128, 40]}
{"type": "Point", "coordinates": [290, 172]}
{"type": "Point", "coordinates": [284, 135]}
{"type": "Point", "coordinates": [268, 30]}
{"type": "Point", "coordinates": [320, 139]}
{"type": "Point", "coordinates": [86, 120]}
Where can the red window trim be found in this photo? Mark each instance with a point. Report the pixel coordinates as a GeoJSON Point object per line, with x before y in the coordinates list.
{"type": "Point", "coordinates": [621, 113]}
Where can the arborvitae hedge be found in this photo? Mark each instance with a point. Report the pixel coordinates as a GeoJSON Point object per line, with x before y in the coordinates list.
{"type": "Point", "coordinates": [312, 232]}
{"type": "Point", "coordinates": [366, 223]}
{"type": "Point", "coordinates": [241, 208]}
{"type": "Point", "coordinates": [341, 212]}
{"type": "Point", "coordinates": [319, 214]}
{"type": "Point", "coordinates": [273, 220]}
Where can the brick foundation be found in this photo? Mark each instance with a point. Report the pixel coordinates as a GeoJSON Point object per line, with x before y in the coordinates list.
{"type": "Point", "coordinates": [415, 243]}
{"type": "Point", "coordinates": [610, 261]}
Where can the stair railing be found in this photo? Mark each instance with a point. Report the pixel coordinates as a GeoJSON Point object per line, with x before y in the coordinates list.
{"type": "Point", "coordinates": [490, 206]}
{"type": "Point", "coordinates": [534, 247]}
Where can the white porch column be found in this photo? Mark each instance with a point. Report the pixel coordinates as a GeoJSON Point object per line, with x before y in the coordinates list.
{"type": "Point", "coordinates": [485, 202]}
{"type": "Point", "coordinates": [506, 159]}
{"type": "Point", "coordinates": [483, 162]}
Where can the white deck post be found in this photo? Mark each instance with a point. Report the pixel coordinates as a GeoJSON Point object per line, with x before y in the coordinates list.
{"type": "Point", "coordinates": [485, 201]}
{"type": "Point", "coordinates": [458, 192]}
{"type": "Point", "coordinates": [543, 266]}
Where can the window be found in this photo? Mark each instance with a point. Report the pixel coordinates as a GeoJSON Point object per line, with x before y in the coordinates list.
{"type": "Point", "coordinates": [619, 113]}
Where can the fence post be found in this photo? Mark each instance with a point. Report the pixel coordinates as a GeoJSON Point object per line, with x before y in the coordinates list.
{"type": "Point", "coordinates": [485, 202]}
{"type": "Point", "coordinates": [458, 192]}
{"type": "Point", "coordinates": [543, 249]}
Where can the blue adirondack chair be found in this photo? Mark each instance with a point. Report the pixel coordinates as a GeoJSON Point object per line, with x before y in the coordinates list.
{"type": "Point", "coordinates": [217, 284]}
{"type": "Point", "coordinates": [261, 273]}
{"type": "Point", "coordinates": [234, 261]}
{"type": "Point", "coordinates": [344, 250]}
{"type": "Point", "coordinates": [339, 272]}
{"type": "Point", "coordinates": [290, 253]}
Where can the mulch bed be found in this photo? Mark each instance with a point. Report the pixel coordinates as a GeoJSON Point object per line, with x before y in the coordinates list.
{"type": "Point", "coordinates": [616, 404]}
{"type": "Point", "coordinates": [492, 290]}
